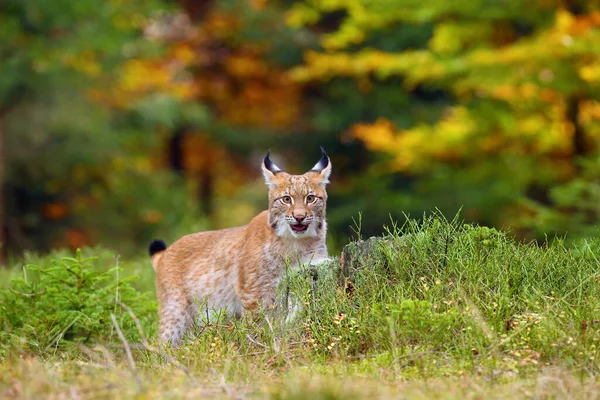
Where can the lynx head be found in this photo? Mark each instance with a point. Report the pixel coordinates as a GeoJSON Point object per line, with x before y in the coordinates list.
{"type": "Point", "coordinates": [297, 202]}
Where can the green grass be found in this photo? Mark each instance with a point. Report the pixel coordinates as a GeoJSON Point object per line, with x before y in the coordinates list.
{"type": "Point", "coordinates": [435, 309]}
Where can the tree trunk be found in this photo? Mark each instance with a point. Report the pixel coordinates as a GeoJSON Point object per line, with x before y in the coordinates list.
{"type": "Point", "coordinates": [176, 151]}
{"type": "Point", "coordinates": [2, 224]}
{"type": "Point", "coordinates": [580, 148]}
{"type": "Point", "coordinates": [15, 95]}
{"type": "Point", "coordinates": [206, 191]}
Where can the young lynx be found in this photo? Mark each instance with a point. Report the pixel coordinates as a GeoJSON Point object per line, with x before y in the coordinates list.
{"type": "Point", "coordinates": [238, 269]}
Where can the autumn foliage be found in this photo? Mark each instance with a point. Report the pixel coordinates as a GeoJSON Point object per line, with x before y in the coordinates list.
{"type": "Point", "coordinates": [154, 120]}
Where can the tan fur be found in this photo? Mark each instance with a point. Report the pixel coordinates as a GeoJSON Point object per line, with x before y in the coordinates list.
{"type": "Point", "coordinates": [238, 269]}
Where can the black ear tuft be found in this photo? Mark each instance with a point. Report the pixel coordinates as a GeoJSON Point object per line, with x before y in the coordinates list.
{"type": "Point", "coordinates": [323, 162]}
{"type": "Point", "coordinates": [269, 165]}
{"type": "Point", "coordinates": [156, 247]}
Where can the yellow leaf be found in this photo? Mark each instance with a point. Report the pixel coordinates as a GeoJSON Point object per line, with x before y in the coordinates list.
{"type": "Point", "coordinates": [590, 73]}
{"type": "Point", "coordinates": [564, 20]}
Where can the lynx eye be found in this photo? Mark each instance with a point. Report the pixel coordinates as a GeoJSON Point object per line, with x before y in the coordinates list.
{"type": "Point", "coordinates": [286, 200]}
{"type": "Point", "coordinates": [311, 198]}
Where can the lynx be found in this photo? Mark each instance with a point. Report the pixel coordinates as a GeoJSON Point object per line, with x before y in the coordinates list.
{"type": "Point", "coordinates": [237, 269]}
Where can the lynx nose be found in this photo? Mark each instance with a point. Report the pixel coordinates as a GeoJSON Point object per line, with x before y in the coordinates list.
{"type": "Point", "coordinates": [299, 218]}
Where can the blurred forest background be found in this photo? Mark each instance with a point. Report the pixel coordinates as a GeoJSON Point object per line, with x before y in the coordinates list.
{"type": "Point", "coordinates": [126, 120]}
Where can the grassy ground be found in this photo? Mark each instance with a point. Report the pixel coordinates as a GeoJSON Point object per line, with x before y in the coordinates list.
{"type": "Point", "coordinates": [36, 379]}
{"type": "Point", "coordinates": [435, 309]}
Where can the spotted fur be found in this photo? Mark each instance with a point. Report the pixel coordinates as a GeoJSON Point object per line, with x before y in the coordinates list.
{"type": "Point", "coordinates": [237, 270]}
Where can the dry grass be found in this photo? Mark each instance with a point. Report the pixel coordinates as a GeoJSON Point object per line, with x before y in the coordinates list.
{"type": "Point", "coordinates": [33, 378]}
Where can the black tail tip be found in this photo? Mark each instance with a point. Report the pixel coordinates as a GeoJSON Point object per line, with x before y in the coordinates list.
{"type": "Point", "coordinates": [156, 247]}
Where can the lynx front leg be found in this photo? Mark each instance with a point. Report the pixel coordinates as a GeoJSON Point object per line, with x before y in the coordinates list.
{"type": "Point", "coordinates": [261, 302]}
{"type": "Point", "coordinates": [256, 303]}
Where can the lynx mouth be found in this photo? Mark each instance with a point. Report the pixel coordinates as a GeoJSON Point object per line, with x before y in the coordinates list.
{"type": "Point", "coordinates": [299, 227]}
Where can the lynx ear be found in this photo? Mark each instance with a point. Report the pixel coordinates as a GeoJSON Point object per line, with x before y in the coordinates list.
{"type": "Point", "coordinates": [323, 167]}
{"type": "Point", "coordinates": [269, 169]}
